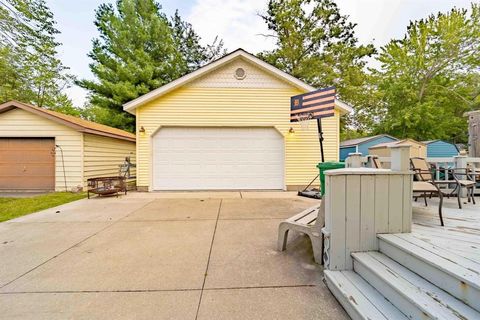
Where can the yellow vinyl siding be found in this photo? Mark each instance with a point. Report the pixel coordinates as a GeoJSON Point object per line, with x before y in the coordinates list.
{"type": "Point", "coordinates": [22, 124]}
{"type": "Point", "coordinates": [237, 107]}
{"type": "Point", "coordinates": [103, 155]}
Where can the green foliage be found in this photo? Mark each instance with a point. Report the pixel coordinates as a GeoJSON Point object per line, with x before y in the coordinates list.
{"type": "Point", "coordinates": [139, 50]}
{"type": "Point", "coordinates": [103, 115]}
{"type": "Point", "coordinates": [430, 78]}
{"type": "Point", "coordinates": [317, 44]}
{"type": "Point", "coordinates": [29, 67]}
{"type": "Point", "coordinates": [352, 133]}
{"type": "Point", "coordinates": [425, 83]}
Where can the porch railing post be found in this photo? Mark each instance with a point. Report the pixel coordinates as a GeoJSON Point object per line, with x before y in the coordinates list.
{"type": "Point", "coordinates": [461, 162]}
{"type": "Point", "coordinates": [354, 160]}
{"type": "Point", "coordinates": [400, 157]}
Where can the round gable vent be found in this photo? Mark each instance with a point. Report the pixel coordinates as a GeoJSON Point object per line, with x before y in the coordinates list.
{"type": "Point", "coordinates": [240, 74]}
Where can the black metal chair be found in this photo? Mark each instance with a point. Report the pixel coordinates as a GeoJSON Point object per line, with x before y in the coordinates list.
{"type": "Point", "coordinates": [425, 183]}
{"type": "Point", "coordinates": [427, 173]}
{"type": "Point", "coordinates": [465, 178]}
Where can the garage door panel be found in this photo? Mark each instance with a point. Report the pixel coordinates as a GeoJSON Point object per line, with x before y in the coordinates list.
{"type": "Point", "coordinates": [218, 158]}
{"type": "Point", "coordinates": [24, 170]}
{"type": "Point", "coordinates": [26, 156]}
{"type": "Point", "coordinates": [25, 183]}
{"type": "Point", "coordinates": [27, 164]}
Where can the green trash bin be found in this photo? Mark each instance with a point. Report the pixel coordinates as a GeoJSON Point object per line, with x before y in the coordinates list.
{"type": "Point", "coordinates": [325, 166]}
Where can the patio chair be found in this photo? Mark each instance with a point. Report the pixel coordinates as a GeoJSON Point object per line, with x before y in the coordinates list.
{"type": "Point", "coordinates": [425, 183]}
{"type": "Point", "coordinates": [375, 162]}
{"type": "Point", "coordinates": [465, 178]}
{"type": "Point", "coordinates": [425, 172]}
{"type": "Point", "coordinates": [309, 222]}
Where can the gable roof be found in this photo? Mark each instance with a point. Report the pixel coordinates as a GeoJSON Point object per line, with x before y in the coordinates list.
{"type": "Point", "coordinates": [239, 53]}
{"type": "Point", "coordinates": [403, 142]}
{"type": "Point", "coordinates": [439, 140]}
{"type": "Point", "coordinates": [436, 140]}
{"type": "Point", "coordinates": [355, 142]}
{"type": "Point", "coordinates": [75, 123]}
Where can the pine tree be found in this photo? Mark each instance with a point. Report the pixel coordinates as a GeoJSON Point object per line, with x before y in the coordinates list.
{"type": "Point", "coordinates": [139, 50]}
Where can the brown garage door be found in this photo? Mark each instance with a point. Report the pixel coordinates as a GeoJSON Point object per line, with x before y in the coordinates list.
{"type": "Point", "coordinates": [27, 164]}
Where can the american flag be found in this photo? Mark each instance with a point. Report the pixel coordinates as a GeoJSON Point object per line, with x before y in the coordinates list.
{"type": "Point", "coordinates": [313, 105]}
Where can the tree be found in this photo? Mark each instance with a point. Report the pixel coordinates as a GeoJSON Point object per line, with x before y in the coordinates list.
{"type": "Point", "coordinates": [187, 42]}
{"type": "Point", "coordinates": [317, 44]}
{"type": "Point", "coordinates": [139, 50]}
{"type": "Point", "coordinates": [103, 115]}
{"type": "Point", "coordinates": [29, 67]}
{"type": "Point", "coordinates": [430, 78]}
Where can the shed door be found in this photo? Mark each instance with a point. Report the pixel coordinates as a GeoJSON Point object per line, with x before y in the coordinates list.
{"type": "Point", "coordinates": [218, 158]}
{"type": "Point", "coordinates": [27, 164]}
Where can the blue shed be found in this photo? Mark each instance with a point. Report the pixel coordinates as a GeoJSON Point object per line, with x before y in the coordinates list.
{"type": "Point", "coordinates": [361, 145]}
{"type": "Point", "coordinates": [440, 149]}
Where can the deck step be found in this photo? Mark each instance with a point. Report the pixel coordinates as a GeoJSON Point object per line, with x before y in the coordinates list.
{"type": "Point", "coordinates": [414, 296]}
{"type": "Point", "coordinates": [451, 272]}
{"type": "Point", "coordinates": [358, 298]}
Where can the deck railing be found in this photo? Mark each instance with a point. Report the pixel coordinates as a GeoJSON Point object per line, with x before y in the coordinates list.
{"type": "Point", "coordinates": [474, 161]}
{"type": "Point", "coordinates": [442, 164]}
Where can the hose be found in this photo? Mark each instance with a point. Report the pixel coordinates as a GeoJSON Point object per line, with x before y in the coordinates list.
{"type": "Point", "coordinates": [63, 165]}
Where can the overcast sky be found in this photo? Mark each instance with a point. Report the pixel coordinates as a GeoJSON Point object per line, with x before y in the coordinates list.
{"type": "Point", "coordinates": [237, 23]}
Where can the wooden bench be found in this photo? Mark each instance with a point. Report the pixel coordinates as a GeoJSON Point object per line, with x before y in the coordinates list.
{"type": "Point", "coordinates": [310, 222]}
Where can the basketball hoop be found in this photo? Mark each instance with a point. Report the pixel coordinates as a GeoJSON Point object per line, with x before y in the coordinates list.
{"type": "Point", "coordinates": [316, 105]}
{"type": "Point", "coordinates": [303, 118]}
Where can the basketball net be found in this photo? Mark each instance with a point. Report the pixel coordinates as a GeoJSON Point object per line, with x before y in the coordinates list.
{"type": "Point", "coordinates": [303, 119]}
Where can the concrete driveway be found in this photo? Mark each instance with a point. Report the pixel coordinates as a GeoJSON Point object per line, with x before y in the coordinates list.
{"type": "Point", "coordinates": [161, 256]}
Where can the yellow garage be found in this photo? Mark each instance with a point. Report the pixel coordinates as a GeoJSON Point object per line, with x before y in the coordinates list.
{"type": "Point", "coordinates": [227, 126]}
{"type": "Point", "coordinates": [43, 150]}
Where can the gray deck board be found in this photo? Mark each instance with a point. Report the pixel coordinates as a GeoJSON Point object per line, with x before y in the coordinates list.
{"type": "Point", "coordinates": [432, 272]}
{"type": "Point", "coordinates": [410, 293]}
{"type": "Point", "coordinates": [360, 300]}
{"type": "Point", "coordinates": [459, 237]}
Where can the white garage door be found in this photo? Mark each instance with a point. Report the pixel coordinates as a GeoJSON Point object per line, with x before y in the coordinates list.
{"type": "Point", "coordinates": [218, 158]}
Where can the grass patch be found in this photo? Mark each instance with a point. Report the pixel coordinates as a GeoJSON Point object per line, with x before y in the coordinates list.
{"type": "Point", "coordinates": [16, 207]}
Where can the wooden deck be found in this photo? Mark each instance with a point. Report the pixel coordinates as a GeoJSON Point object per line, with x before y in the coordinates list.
{"type": "Point", "coordinates": [459, 237]}
{"type": "Point", "coordinates": [431, 273]}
